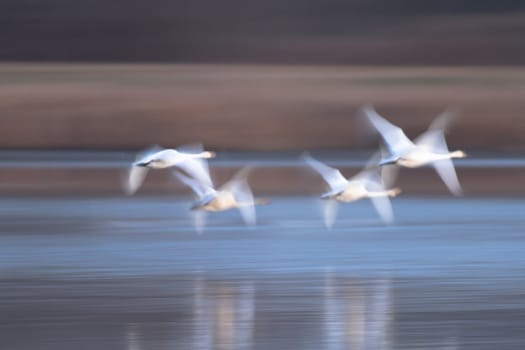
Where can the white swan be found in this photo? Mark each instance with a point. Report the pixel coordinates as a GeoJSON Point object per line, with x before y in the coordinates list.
{"type": "Point", "coordinates": [236, 193]}
{"type": "Point", "coordinates": [366, 184]}
{"type": "Point", "coordinates": [186, 158]}
{"type": "Point", "coordinates": [428, 148]}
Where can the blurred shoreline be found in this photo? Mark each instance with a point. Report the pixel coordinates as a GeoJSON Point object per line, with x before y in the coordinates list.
{"type": "Point", "coordinates": [251, 107]}
{"type": "Point", "coordinates": [66, 173]}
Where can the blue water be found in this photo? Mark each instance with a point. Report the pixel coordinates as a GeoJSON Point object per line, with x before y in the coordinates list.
{"type": "Point", "coordinates": [132, 273]}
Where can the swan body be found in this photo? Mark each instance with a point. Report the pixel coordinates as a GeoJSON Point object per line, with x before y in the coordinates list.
{"type": "Point", "coordinates": [357, 190]}
{"type": "Point", "coordinates": [429, 148]}
{"type": "Point", "coordinates": [167, 158]}
{"type": "Point", "coordinates": [365, 184]}
{"type": "Point", "coordinates": [186, 158]}
{"type": "Point", "coordinates": [235, 194]}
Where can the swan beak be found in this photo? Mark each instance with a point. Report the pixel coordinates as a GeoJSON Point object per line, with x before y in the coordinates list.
{"type": "Point", "coordinates": [142, 164]}
{"type": "Point", "coordinates": [387, 162]}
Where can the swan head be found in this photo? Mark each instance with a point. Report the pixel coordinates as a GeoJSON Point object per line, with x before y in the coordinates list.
{"type": "Point", "coordinates": [150, 163]}
{"type": "Point", "coordinates": [208, 154]}
{"type": "Point", "coordinates": [458, 154]}
{"type": "Point", "coordinates": [143, 164]}
{"type": "Point", "coordinates": [389, 161]}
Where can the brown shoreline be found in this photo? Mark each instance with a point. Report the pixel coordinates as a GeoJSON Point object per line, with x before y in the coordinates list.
{"type": "Point", "coordinates": [264, 181]}
{"type": "Point", "coordinates": [240, 107]}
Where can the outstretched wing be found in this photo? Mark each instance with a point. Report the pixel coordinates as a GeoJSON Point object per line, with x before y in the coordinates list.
{"type": "Point", "coordinates": [331, 176]}
{"type": "Point", "coordinates": [445, 169]}
{"type": "Point", "coordinates": [381, 202]}
{"type": "Point", "coordinates": [197, 168]}
{"type": "Point", "coordinates": [242, 192]}
{"type": "Point", "coordinates": [393, 137]}
{"type": "Point", "coordinates": [329, 208]}
{"type": "Point", "coordinates": [134, 179]}
{"type": "Point", "coordinates": [136, 175]}
{"type": "Point", "coordinates": [194, 166]}
{"type": "Point", "coordinates": [434, 138]}
{"type": "Point", "coordinates": [385, 174]}
{"type": "Point", "coordinates": [434, 141]}
{"type": "Point", "coordinates": [145, 154]}
{"type": "Point", "coordinates": [199, 220]}
{"type": "Point", "coordinates": [444, 120]}
{"type": "Point", "coordinates": [199, 188]}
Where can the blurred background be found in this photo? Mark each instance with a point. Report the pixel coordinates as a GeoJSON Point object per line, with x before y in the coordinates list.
{"type": "Point", "coordinates": [271, 76]}
{"type": "Point", "coordinates": [84, 85]}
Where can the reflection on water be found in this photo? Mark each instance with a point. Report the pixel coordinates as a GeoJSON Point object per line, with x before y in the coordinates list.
{"type": "Point", "coordinates": [223, 315]}
{"type": "Point", "coordinates": [292, 311]}
{"type": "Point", "coordinates": [132, 337]}
{"type": "Point", "coordinates": [356, 316]}
{"type": "Point", "coordinates": [342, 313]}
{"type": "Point", "coordinates": [72, 279]}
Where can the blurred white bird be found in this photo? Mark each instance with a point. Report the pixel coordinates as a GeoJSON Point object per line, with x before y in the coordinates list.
{"type": "Point", "coordinates": [428, 148]}
{"type": "Point", "coordinates": [366, 184]}
{"type": "Point", "coordinates": [236, 193]}
{"type": "Point", "coordinates": [187, 158]}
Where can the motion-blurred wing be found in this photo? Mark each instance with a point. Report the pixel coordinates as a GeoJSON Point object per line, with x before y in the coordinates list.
{"type": "Point", "coordinates": [433, 139]}
{"type": "Point", "coordinates": [387, 172]}
{"type": "Point", "coordinates": [329, 208]}
{"type": "Point", "coordinates": [193, 148]}
{"type": "Point", "coordinates": [199, 220]}
{"type": "Point", "coordinates": [394, 138]}
{"type": "Point", "coordinates": [381, 203]}
{"type": "Point", "coordinates": [384, 208]}
{"type": "Point", "coordinates": [197, 168]}
{"type": "Point", "coordinates": [444, 120]}
{"type": "Point", "coordinates": [144, 155]}
{"type": "Point", "coordinates": [244, 195]}
{"type": "Point", "coordinates": [331, 176]}
{"type": "Point", "coordinates": [199, 188]}
{"type": "Point", "coordinates": [135, 178]}
{"type": "Point", "coordinates": [242, 192]}
{"type": "Point", "coordinates": [445, 169]}
{"type": "Point", "coordinates": [136, 175]}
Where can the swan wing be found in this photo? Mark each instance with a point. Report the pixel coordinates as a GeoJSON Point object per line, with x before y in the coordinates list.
{"type": "Point", "coordinates": [200, 189]}
{"type": "Point", "coordinates": [146, 154]}
{"type": "Point", "coordinates": [433, 139]}
{"type": "Point", "coordinates": [395, 140]}
{"type": "Point", "coordinates": [199, 220]}
{"type": "Point", "coordinates": [198, 169]}
{"type": "Point", "coordinates": [333, 177]}
{"type": "Point", "coordinates": [136, 174]}
{"type": "Point", "coordinates": [329, 209]}
{"type": "Point", "coordinates": [134, 179]}
{"type": "Point", "coordinates": [243, 194]}
{"type": "Point", "coordinates": [381, 203]}
{"type": "Point", "coordinates": [385, 174]}
{"type": "Point", "coordinates": [447, 172]}
{"type": "Point", "coordinates": [444, 120]}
